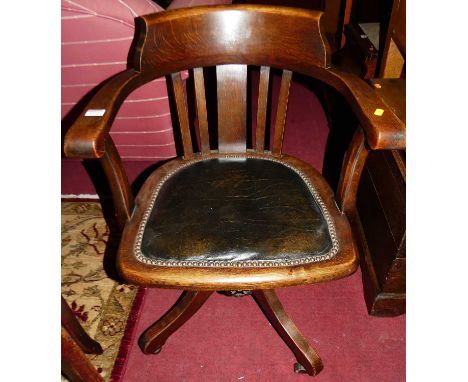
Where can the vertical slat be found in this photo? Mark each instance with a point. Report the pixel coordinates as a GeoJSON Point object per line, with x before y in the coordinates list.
{"type": "Point", "coordinates": [182, 114]}
{"type": "Point", "coordinates": [201, 109]}
{"type": "Point", "coordinates": [262, 107]}
{"type": "Point", "coordinates": [232, 107]}
{"type": "Point", "coordinates": [281, 112]}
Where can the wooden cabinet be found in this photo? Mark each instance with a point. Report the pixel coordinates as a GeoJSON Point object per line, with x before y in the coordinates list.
{"type": "Point", "coordinates": [380, 221]}
{"type": "Point", "coordinates": [381, 208]}
{"type": "Point", "coordinates": [378, 218]}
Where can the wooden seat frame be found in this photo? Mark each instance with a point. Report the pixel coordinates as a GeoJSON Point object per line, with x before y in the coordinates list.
{"type": "Point", "coordinates": [230, 38]}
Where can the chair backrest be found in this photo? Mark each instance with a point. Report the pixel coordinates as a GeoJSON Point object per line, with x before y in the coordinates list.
{"type": "Point", "coordinates": [231, 38]}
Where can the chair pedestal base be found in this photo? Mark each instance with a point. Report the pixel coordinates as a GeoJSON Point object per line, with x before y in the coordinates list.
{"type": "Point", "coordinates": [188, 304]}
{"type": "Point", "coordinates": [156, 335]}
{"type": "Point", "coordinates": [274, 311]}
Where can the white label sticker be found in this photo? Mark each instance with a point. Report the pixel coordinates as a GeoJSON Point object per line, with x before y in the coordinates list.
{"type": "Point", "coordinates": [95, 112]}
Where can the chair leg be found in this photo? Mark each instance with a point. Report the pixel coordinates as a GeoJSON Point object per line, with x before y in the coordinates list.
{"type": "Point", "coordinates": [75, 365]}
{"type": "Point", "coordinates": [76, 331]}
{"type": "Point", "coordinates": [308, 359]}
{"type": "Point", "coordinates": [152, 340]}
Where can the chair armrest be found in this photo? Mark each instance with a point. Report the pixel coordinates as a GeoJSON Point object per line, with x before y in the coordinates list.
{"type": "Point", "coordinates": [86, 137]}
{"type": "Point", "coordinates": [386, 131]}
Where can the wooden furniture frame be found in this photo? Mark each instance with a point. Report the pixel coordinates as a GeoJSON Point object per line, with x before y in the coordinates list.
{"type": "Point", "coordinates": [394, 52]}
{"type": "Point", "coordinates": [230, 38]}
{"type": "Point", "coordinates": [361, 51]}
{"type": "Point", "coordinates": [336, 15]}
{"type": "Point", "coordinates": [75, 342]}
{"type": "Point", "coordinates": [380, 219]}
{"type": "Point", "coordinates": [381, 207]}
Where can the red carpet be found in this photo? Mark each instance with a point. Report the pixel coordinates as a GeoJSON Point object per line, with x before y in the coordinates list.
{"type": "Point", "coordinates": [229, 339]}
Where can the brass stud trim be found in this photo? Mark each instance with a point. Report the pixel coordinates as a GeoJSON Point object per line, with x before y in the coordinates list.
{"type": "Point", "coordinates": [241, 263]}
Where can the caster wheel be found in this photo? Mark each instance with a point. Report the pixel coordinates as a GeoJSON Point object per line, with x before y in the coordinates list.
{"type": "Point", "coordinates": [157, 351]}
{"type": "Point", "coordinates": [299, 369]}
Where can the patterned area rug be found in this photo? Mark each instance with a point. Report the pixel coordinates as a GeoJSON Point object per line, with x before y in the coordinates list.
{"type": "Point", "coordinates": [102, 305]}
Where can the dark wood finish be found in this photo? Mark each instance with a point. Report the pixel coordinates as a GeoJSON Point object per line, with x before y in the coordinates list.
{"type": "Point", "coordinates": [305, 52]}
{"type": "Point", "coordinates": [377, 207]}
{"type": "Point", "coordinates": [231, 37]}
{"type": "Point", "coordinates": [359, 54]}
{"type": "Point", "coordinates": [232, 107]}
{"type": "Point", "coordinates": [76, 331]}
{"type": "Point", "coordinates": [157, 334]}
{"type": "Point", "coordinates": [336, 14]}
{"type": "Point", "coordinates": [393, 92]}
{"type": "Point", "coordinates": [211, 40]}
{"type": "Point", "coordinates": [199, 82]}
{"type": "Point", "coordinates": [381, 234]}
{"type": "Point", "coordinates": [394, 50]}
{"type": "Point", "coordinates": [182, 113]}
{"type": "Point", "coordinates": [262, 108]}
{"type": "Point", "coordinates": [353, 164]}
{"type": "Point", "coordinates": [398, 23]}
{"type": "Point", "coordinates": [281, 112]}
{"type": "Point", "coordinates": [120, 188]}
{"type": "Point", "coordinates": [75, 365]}
{"type": "Point", "coordinates": [87, 137]}
{"type": "Point", "coordinates": [380, 222]}
{"type": "Point", "coordinates": [346, 9]}
{"type": "Point", "coordinates": [274, 311]}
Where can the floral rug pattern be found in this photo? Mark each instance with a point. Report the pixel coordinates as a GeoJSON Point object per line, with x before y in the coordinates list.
{"type": "Point", "coordinates": [101, 304]}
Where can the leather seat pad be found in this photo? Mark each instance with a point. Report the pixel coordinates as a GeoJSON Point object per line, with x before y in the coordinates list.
{"type": "Point", "coordinates": [235, 210]}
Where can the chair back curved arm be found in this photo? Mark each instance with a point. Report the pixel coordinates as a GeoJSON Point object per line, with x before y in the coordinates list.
{"type": "Point", "coordinates": [287, 38]}
{"type": "Point", "coordinates": [278, 37]}
{"type": "Point", "coordinates": [229, 38]}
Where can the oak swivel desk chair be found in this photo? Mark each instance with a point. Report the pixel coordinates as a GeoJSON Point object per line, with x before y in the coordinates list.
{"type": "Point", "coordinates": [224, 216]}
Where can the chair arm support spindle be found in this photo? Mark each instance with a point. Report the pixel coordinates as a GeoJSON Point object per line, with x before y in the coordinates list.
{"type": "Point", "coordinates": [122, 195]}
{"type": "Point", "coordinates": [353, 165]}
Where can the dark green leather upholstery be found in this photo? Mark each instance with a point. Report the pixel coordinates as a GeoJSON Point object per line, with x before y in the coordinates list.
{"type": "Point", "coordinates": [235, 210]}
